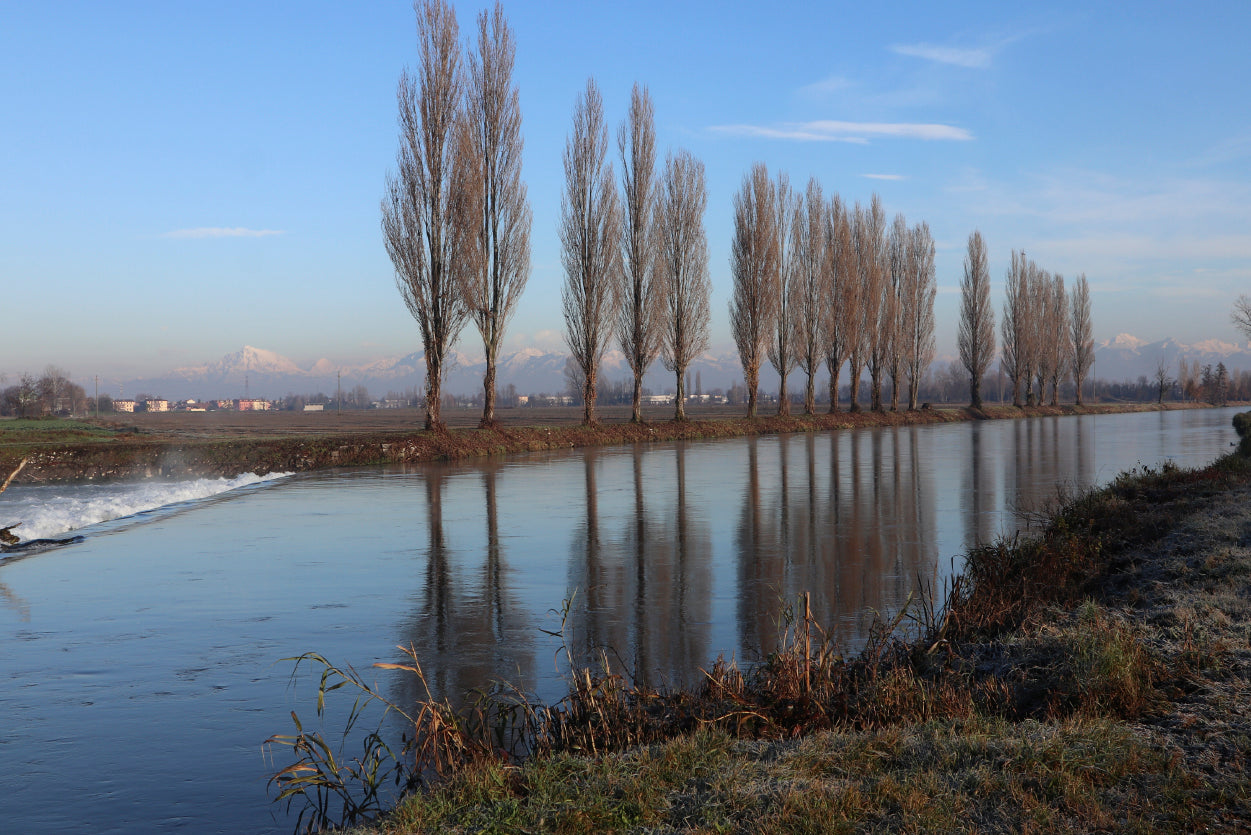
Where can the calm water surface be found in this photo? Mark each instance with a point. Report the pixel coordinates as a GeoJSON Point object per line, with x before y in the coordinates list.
{"type": "Point", "coordinates": [140, 671]}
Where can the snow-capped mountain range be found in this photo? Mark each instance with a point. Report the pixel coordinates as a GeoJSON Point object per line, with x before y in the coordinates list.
{"type": "Point", "coordinates": [260, 373]}
{"type": "Point", "coordinates": [257, 372]}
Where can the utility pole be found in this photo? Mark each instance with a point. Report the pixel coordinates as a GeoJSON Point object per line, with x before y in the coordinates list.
{"type": "Point", "coordinates": [338, 398]}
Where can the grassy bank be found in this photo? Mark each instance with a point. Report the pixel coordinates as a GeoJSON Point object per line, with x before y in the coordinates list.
{"type": "Point", "coordinates": [180, 445]}
{"type": "Point", "coordinates": [1095, 678]}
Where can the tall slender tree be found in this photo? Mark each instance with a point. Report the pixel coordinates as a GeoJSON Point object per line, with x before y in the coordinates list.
{"type": "Point", "coordinates": [898, 253]}
{"type": "Point", "coordinates": [782, 340]}
{"type": "Point", "coordinates": [811, 291]}
{"type": "Point", "coordinates": [1040, 283]}
{"type": "Point", "coordinates": [687, 286]}
{"type": "Point", "coordinates": [1059, 342]}
{"type": "Point", "coordinates": [871, 263]}
{"type": "Point", "coordinates": [843, 316]}
{"type": "Point", "coordinates": [917, 303]}
{"type": "Point", "coordinates": [503, 264]}
{"type": "Point", "coordinates": [589, 238]}
{"type": "Point", "coordinates": [1080, 330]}
{"type": "Point", "coordinates": [638, 324]}
{"type": "Point", "coordinates": [429, 213]}
{"type": "Point", "coordinates": [1015, 325]}
{"type": "Point", "coordinates": [977, 317]}
{"type": "Point", "coordinates": [753, 266]}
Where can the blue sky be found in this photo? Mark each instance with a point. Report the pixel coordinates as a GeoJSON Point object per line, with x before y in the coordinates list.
{"type": "Point", "coordinates": [181, 179]}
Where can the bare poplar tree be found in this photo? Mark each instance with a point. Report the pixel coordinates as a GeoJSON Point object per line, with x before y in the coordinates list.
{"type": "Point", "coordinates": [1040, 358]}
{"type": "Point", "coordinates": [589, 237]}
{"type": "Point", "coordinates": [494, 113]}
{"type": "Point", "coordinates": [1015, 325]}
{"type": "Point", "coordinates": [977, 317]}
{"type": "Point", "coordinates": [753, 266]}
{"type": "Point", "coordinates": [1058, 342]}
{"type": "Point", "coordinates": [873, 268]}
{"type": "Point", "coordinates": [811, 291]}
{"type": "Point", "coordinates": [781, 341]}
{"type": "Point", "coordinates": [843, 315]}
{"type": "Point", "coordinates": [429, 213]}
{"type": "Point", "coordinates": [638, 326]}
{"type": "Point", "coordinates": [1163, 382]}
{"type": "Point", "coordinates": [869, 303]}
{"type": "Point", "coordinates": [1080, 330]}
{"type": "Point", "coordinates": [893, 315]}
{"type": "Point", "coordinates": [687, 287]}
{"type": "Point", "coordinates": [1241, 315]}
{"type": "Point", "coordinates": [917, 302]}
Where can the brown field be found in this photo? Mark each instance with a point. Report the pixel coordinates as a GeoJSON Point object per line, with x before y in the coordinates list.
{"type": "Point", "coordinates": [227, 443]}
{"type": "Point", "coordinates": [226, 424]}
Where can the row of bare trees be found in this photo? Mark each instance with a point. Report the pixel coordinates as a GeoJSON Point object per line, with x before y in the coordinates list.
{"type": "Point", "coordinates": [636, 264]}
{"type": "Point", "coordinates": [456, 220]}
{"type": "Point", "coordinates": [1046, 332]}
{"type": "Point", "coordinates": [817, 282]}
{"type": "Point", "coordinates": [455, 217]}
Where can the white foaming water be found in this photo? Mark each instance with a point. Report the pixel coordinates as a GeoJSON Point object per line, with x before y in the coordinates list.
{"type": "Point", "coordinates": [47, 511]}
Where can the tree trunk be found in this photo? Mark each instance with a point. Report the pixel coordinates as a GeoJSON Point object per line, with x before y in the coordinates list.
{"type": "Point", "coordinates": [488, 395]}
{"type": "Point", "coordinates": [854, 383]}
{"type": "Point", "coordinates": [834, 389]}
{"type": "Point", "coordinates": [588, 399]}
{"type": "Point", "coordinates": [679, 401]}
{"type": "Point", "coordinates": [637, 415]}
{"type": "Point", "coordinates": [810, 396]}
{"type": "Point", "coordinates": [784, 402]}
{"type": "Point", "coordinates": [434, 393]}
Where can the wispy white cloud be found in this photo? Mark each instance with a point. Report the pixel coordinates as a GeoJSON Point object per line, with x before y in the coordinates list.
{"type": "Point", "coordinates": [221, 232]}
{"type": "Point", "coordinates": [890, 177]}
{"type": "Point", "coordinates": [975, 59]}
{"type": "Point", "coordinates": [833, 84]}
{"type": "Point", "coordinates": [855, 132]}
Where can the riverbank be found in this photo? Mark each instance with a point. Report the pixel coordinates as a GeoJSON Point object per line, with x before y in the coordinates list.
{"type": "Point", "coordinates": [227, 444]}
{"type": "Point", "coordinates": [1097, 678]}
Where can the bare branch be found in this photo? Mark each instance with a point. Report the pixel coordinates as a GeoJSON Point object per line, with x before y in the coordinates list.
{"type": "Point", "coordinates": [1241, 316]}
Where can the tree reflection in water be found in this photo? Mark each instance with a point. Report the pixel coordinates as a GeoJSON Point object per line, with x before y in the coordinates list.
{"type": "Point", "coordinates": [675, 553]}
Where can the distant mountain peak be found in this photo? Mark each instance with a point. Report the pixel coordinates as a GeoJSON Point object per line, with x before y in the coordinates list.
{"type": "Point", "coordinates": [1127, 341]}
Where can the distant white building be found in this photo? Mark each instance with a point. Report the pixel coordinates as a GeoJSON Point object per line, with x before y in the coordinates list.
{"type": "Point", "coordinates": [314, 407]}
{"type": "Point", "coordinates": [155, 406]}
{"type": "Point", "coordinates": [123, 405]}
